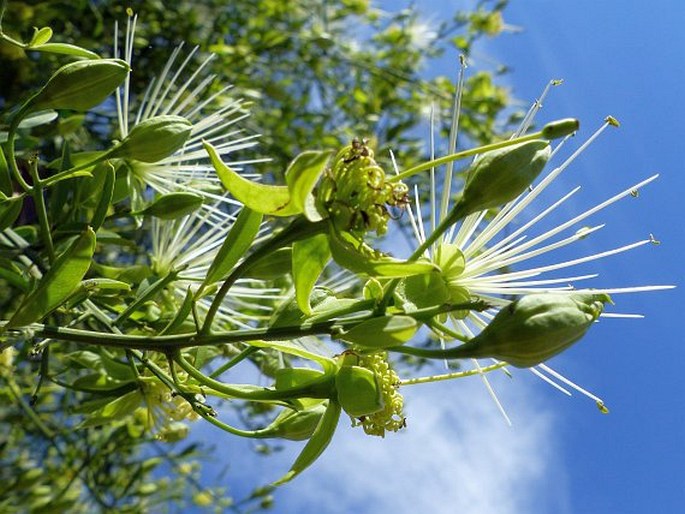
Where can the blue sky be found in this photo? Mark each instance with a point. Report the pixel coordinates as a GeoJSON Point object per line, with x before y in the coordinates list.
{"type": "Point", "coordinates": [561, 455]}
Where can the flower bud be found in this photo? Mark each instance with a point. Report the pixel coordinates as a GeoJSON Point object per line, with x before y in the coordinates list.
{"type": "Point", "coordinates": [287, 378]}
{"type": "Point", "coordinates": [154, 139]}
{"type": "Point", "coordinates": [297, 425]}
{"type": "Point", "coordinates": [358, 391]}
{"type": "Point", "coordinates": [501, 175]}
{"type": "Point", "coordinates": [535, 328]}
{"type": "Point", "coordinates": [560, 128]}
{"type": "Point", "coordinates": [81, 85]}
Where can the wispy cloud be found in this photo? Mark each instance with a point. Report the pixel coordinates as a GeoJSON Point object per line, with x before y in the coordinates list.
{"type": "Point", "coordinates": [457, 456]}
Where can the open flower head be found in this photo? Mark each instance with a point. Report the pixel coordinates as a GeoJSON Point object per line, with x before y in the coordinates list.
{"type": "Point", "coordinates": [494, 257]}
{"type": "Point", "coordinates": [182, 93]}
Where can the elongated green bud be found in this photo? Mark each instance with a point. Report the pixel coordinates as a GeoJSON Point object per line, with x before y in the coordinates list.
{"type": "Point", "coordinates": [535, 328]}
{"type": "Point", "coordinates": [154, 139]}
{"type": "Point", "coordinates": [560, 128]}
{"type": "Point", "coordinates": [80, 85]}
{"type": "Point", "coordinates": [501, 175]}
{"type": "Point", "coordinates": [297, 425]}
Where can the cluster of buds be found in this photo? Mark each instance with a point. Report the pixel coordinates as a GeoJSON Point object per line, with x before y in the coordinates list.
{"type": "Point", "coordinates": [355, 193]}
{"type": "Point", "coordinates": [165, 411]}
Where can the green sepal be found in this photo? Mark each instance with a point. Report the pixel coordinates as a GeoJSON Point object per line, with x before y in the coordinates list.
{"type": "Point", "coordinates": [421, 291]}
{"type": "Point", "coordinates": [181, 314]}
{"type": "Point", "coordinates": [264, 198]}
{"type": "Point", "coordinates": [61, 280]}
{"type": "Point", "coordinates": [359, 393]}
{"type": "Point", "coordinates": [382, 332]}
{"type": "Point", "coordinates": [235, 246]}
{"type": "Point", "coordinates": [318, 442]}
{"type": "Point", "coordinates": [301, 176]}
{"type": "Point", "coordinates": [358, 257]}
{"type": "Point", "coordinates": [310, 257]}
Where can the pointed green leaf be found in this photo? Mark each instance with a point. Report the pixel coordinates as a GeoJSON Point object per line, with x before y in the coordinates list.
{"type": "Point", "coordinates": [264, 198]}
{"type": "Point", "coordinates": [301, 177]}
{"type": "Point", "coordinates": [171, 205]}
{"type": "Point", "coordinates": [10, 208]}
{"type": "Point", "coordinates": [37, 119]}
{"type": "Point", "coordinates": [5, 177]}
{"type": "Point", "coordinates": [310, 257]}
{"type": "Point", "coordinates": [113, 411]}
{"type": "Point", "coordinates": [297, 349]}
{"type": "Point", "coordinates": [58, 283]}
{"type": "Point", "coordinates": [382, 332]}
{"type": "Point", "coordinates": [236, 244]}
{"type": "Point", "coordinates": [105, 200]}
{"type": "Point", "coordinates": [274, 265]}
{"type": "Point", "coordinates": [66, 49]}
{"type": "Point", "coordinates": [181, 315]}
{"type": "Point", "coordinates": [358, 257]}
{"type": "Point", "coordinates": [322, 436]}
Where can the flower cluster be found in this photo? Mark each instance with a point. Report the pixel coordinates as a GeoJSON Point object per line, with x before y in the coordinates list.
{"type": "Point", "coordinates": [390, 417]}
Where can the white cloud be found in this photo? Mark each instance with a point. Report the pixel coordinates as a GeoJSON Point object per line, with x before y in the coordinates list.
{"type": "Point", "coordinates": [456, 456]}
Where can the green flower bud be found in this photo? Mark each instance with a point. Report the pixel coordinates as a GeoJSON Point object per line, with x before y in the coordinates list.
{"type": "Point", "coordinates": [501, 175]}
{"type": "Point", "coordinates": [287, 378]}
{"type": "Point", "coordinates": [80, 85]}
{"type": "Point", "coordinates": [535, 328]}
{"type": "Point", "coordinates": [359, 393]}
{"type": "Point", "coordinates": [154, 139]}
{"type": "Point", "coordinates": [560, 128]}
{"type": "Point", "coordinates": [297, 425]}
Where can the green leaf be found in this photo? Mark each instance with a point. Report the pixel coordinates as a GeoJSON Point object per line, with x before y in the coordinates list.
{"type": "Point", "coordinates": [63, 277]}
{"type": "Point", "coordinates": [310, 257]}
{"type": "Point", "coordinates": [181, 315]}
{"type": "Point", "coordinates": [275, 265]}
{"type": "Point", "coordinates": [113, 411]}
{"type": "Point", "coordinates": [10, 208]}
{"type": "Point", "coordinates": [301, 177]}
{"type": "Point", "coordinates": [171, 205]}
{"type": "Point", "coordinates": [40, 37]}
{"type": "Point", "coordinates": [322, 436]}
{"type": "Point", "coordinates": [66, 49]}
{"type": "Point", "coordinates": [236, 244]}
{"type": "Point", "coordinates": [264, 198]}
{"type": "Point", "coordinates": [106, 194]}
{"type": "Point", "coordinates": [298, 350]}
{"type": "Point", "coordinates": [37, 119]}
{"type": "Point", "coordinates": [5, 176]}
{"type": "Point", "coordinates": [358, 257]}
{"type": "Point", "coordinates": [382, 332]}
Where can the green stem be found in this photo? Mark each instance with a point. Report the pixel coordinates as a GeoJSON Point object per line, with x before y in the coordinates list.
{"type": "Point", "coordinates": [319, 388]}
{"type": "Point", "coordinates": [461, 155]}
{"type": "Point", "coordinates": [171, 342]}
{"type": "Point", "coordinates": [11, 158]}
{"type": "Point", "coordinates": [299, 229]}
{"type": "Point", "coordinates": [452, 376]}
{"type": "Point", "coordinates": [234, 361]}
{"type": "Point", "coordinates": [41, 210]}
